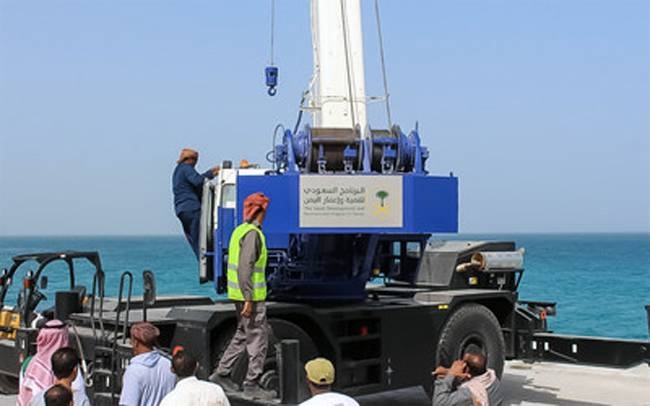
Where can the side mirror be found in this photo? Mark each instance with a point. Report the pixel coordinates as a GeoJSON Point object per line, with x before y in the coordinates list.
{"type": "Point", "coordinates": [44, 282]}
{"type": "Point", "coordinates": [149, 288]}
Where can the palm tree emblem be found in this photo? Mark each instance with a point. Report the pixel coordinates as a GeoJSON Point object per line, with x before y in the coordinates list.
{"type": "Point", "coordinates": [381, 195]}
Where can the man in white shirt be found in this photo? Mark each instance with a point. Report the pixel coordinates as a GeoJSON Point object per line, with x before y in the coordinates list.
{"type": "Point", "coordinates": [65, 367]}
{"type": "Point", "coordinates": [320, 377]}
{"type": "Point", "coordinates": [189, 390]}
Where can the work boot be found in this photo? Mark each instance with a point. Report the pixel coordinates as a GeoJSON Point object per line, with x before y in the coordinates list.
{"type": "Point", "coordinates": [255, 391]}
{"type": "Point", "coordinates": [225, 381]}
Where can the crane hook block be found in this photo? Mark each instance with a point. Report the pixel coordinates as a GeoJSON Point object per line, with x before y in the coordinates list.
{"type": "Point", "coordinates": [271, 79]}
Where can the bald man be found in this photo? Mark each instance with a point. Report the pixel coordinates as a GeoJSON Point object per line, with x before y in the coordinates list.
{"type": "Point", "coordinates": [58, 395]}
{"type": "Point", "coordinates": [187, 185]}
{"type": "Point", "coordinates": [467, 382]}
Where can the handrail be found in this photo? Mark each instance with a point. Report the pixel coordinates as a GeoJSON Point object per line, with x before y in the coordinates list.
{"type": "Point", "coordinates": [98, 284]}
{"type": "Point", "coordinates": [125, 275]}
{"type": "Point", "coordinates": [127, 306]}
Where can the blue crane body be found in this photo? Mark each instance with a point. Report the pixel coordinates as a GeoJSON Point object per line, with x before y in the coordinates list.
{"type": "Point", "coordinates": [345, 198]}
{"type": "Point", "coordinates": [326, 231]}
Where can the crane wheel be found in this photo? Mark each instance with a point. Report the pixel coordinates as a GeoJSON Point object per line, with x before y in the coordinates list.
{"type": "Point", "coordinates": [280, 330]}
{"type": "Point", "coordinates": [470, 324]}
{"type": "Point", "coordinates": [283, 329]}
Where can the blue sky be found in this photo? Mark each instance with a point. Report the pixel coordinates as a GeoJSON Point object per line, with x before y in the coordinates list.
{"type": "Point", "coordinates": [542, 108]}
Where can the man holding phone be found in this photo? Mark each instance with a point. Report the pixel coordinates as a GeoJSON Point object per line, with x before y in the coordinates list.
{"type": "Point", "coordinates": [467, 382]}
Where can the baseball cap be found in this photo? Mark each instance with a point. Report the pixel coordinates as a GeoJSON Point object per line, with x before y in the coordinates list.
{"type": "Point", "coordinates": [320, 371]}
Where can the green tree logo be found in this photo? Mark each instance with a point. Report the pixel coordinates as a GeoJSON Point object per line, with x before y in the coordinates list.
{"type": "Point", "coordinates": [382, 195]}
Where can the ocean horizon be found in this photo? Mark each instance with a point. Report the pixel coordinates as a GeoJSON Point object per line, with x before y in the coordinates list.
{"type": "Point", "coordinates": [600, 281]}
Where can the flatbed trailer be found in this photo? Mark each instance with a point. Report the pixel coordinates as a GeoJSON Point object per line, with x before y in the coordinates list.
{"type": "Point", "coordinates": [386, 343]}
{"type": "Point", "coordinates": [391, 340]}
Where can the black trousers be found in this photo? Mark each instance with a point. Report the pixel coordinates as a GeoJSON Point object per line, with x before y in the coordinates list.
{"type": "Point", "coordinates": [191, 221]}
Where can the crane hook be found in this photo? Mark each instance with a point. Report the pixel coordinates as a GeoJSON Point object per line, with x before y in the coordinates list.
{"type": "Point", "coordinates": [271, 73]}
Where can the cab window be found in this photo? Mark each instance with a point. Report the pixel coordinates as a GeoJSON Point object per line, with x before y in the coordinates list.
{"type": "Point", "coordinates": [228, 196]}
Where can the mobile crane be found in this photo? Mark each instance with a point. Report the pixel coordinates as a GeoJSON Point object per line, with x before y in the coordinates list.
{"type": "Point", "coordinates": [344, 195]}
{"type": "Point", "coordinates": [349, 204]}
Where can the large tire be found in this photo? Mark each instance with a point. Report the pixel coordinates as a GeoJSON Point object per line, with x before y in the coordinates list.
{"type": "Point", "coordinates": [470, 324]}
{"type": "Point", "coordinates": [8, 385]}
{"type": "Point", "coordinates": [280, 330]}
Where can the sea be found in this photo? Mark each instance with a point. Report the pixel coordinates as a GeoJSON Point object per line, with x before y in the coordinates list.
{"type": "Point", "coordinates": [600, 282]}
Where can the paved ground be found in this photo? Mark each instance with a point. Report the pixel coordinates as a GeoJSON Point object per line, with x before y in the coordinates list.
{"type": "Point", "coordinates": [538, 384]}
{"type": "Point", "coordinates": [551, 384]}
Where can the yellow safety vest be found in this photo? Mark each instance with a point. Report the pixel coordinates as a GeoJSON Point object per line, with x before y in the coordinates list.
{"type": "Point", "coordinates": [258, 277]}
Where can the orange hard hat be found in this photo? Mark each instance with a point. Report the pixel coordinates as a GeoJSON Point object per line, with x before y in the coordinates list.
{"type": "Point", "coordinates": [254, 203]}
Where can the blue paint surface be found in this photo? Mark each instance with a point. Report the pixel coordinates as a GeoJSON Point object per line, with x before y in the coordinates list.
{"type": "Point", "coordinates": [430, 205]}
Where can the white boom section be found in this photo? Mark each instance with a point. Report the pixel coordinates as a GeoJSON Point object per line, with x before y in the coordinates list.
{"type": "Point", "coordinates": [338, 86]}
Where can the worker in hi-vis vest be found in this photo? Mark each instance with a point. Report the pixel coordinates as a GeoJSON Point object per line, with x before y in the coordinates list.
{"type": "Point", "coordinates": [247, 288]}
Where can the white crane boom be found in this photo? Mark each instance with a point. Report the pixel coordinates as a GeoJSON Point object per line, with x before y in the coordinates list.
{"type": "Point", "coordinates": [338, 94]}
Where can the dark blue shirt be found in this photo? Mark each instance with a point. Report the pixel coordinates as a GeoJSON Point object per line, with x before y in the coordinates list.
{"type": "Point", "coordinates": [187, 185]}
